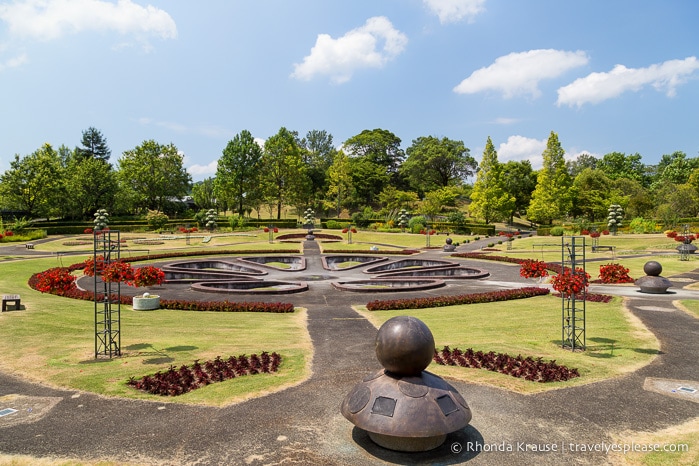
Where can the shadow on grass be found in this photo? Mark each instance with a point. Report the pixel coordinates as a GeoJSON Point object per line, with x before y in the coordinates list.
{"type": "Point", "coordinates": [158, 356]}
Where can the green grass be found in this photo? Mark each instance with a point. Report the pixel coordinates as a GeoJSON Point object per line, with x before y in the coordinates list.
{"type": "Point", "coordinates": [616, 341]}
{"type": "Point", "coordinates": [691, 306]}
{"type": "Point", "coordinates": [52, 339]}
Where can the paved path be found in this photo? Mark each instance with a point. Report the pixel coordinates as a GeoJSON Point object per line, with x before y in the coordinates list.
{"type": "Point", "coordinates": [303, 424]}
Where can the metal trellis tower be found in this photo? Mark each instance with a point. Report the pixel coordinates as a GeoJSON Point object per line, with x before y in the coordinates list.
{"type": "Point", "coordinates": [107, 249]}
{"type": "Point", "coordinates": [573, 304]}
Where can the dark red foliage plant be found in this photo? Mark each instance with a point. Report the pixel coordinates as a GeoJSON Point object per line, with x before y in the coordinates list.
{"type": "Point", "coordinates": [439, 301]}
{"type": "Point", "coordinates": [533, 370]}
{"type": "Point", "coordinates": [614, 273]}
{"type": "Point", "coordinates": [174, 382]}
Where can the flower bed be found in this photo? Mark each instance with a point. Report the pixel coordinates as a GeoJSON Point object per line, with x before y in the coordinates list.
{"type": "Point", "coordinates": [400, 252]}
{"type": "Point", "coordinates": [614, 273]}
{"type": "Point", "coordinates": [534, 370]}
{"type": "Point", "coordinates": [185, 379]}
{"type": "Point", "coordinates": [302, 236]}
{"type": "Point", "coordinates": [440, 301]}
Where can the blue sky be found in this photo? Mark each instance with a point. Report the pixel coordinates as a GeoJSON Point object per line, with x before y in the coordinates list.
{"type": "Point", "coordinates": [605, 75]}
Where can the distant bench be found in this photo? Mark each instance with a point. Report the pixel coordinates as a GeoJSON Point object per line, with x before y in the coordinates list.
{"type": "Point", "coordinates": [10, 299]}
{"type": "Point", "coordinates": [603, 248]}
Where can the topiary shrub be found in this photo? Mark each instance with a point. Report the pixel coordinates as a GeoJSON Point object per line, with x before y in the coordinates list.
{"type": "Point", "coordinates": [557, 231]}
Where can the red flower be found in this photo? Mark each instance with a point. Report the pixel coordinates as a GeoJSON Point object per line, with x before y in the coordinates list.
{"type": "Point", "coordinates": [584, 232]}
{"type": "Point", "coordinates": [533, 269]}
{"type": "Point", "coordinates": [275, 230]}
{"type": "Point", "coordinates": [92, 266]}
{"type": "Point", "coordinates": [605, 232]}
{"type": "Point", "coordinates": [353, 230]}
{"type": "Point", "coordinates": [9, 233]}
{"type": "Point", "coordinates": [147, 275]}
{"type": "Point", "coordinates": [614, 273]}
{"type": "Point", "coordinates": [594, 234]}
{"type": "Point", "coordinates": [266, 230]}
{"type": "Point", "coordinates": [570, 283]}
{"type": "Point", "coordinates": [118, 271]}
{"type": "Point", "coordinates": [57, 280]}
{"type": "Point", "coordinates": [345, 230]}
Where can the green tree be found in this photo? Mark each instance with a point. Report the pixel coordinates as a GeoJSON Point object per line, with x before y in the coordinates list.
{"type": "Point", "coordinates": [238, 172]}
{"type": "Point", "coordinates": [635, 198]}
{"type": "Point", "coordinates": [318, 154]}
{"type": "Point", "coordinates": [582, 162]}
{"type": "Point", "coordinates": [340, 188]}
{"type": "Point", "coordinates": [34, 183]}
{"type": "Point", "coordinates": [203, 194]}
{"type": "Point", "coordinates": [90, 184]}
{"type": "Point", "coordinates": [283, 179]}
{"type": "Point", "coordinates": [376, 159]}
{"type": "Point", "coordinates": [434, 163]}
{"type": "Point", "coordinates": [489, 198]}
{"type": "Point", "coordinates": [591, 195]}
{"type": "Point", "coordinates": [617, 165]}
{"type": "Point", "coordinates": [551, 197]}
{"type": "Point", "coordinates": [676, 167]}
{"type": "Point", "coordinates": [151, 174]}
{"type": "Point", "coordinates": [94, 145]}
{"type": "Point", "coordinates": [519, 180]}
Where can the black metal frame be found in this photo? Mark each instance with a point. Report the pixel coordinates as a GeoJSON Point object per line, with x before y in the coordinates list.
{"type": "Point", "coordinates": [108, 307]}
{"type": "Point", "coordinates": [573, 315]}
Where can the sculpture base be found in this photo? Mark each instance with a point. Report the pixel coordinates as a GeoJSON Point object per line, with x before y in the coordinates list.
{"type": "Point", "coordinates": [146, 304]}
{"type": "Point", "coordinates": [407, 444]}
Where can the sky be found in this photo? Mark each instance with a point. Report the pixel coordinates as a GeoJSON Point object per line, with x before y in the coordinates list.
{"type": "Point", "coordinates": [605, 76]}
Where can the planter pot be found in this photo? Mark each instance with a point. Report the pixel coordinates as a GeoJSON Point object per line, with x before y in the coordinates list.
{"type": "Point", "coordinates": [148, 303]}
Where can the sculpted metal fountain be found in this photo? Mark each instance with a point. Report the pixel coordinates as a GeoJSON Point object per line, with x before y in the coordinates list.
{"type": "Point", "coordinates": [403, 407]}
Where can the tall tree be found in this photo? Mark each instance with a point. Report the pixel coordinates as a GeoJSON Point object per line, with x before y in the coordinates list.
{"type": "Point", "coordinates": [489, 198]}
{"type": "Point", "coordinates": [238, 172]}
{"type": "Point", "coordinates": [591, 195]}
{"type": "Point", "coordinates": [283, 177]}
{"type": "Point", "coordinates": [519, 181]}
{"type": "Point", "coordinates": [582, 162]}
{"type": "Point", "coordinates": [340, 188]}
{"type": "Point", "coordinates": [34, 183]}
{"type": "Point", "coordinates": [434, 163]}
{"type": "Point", "coordinates": [318, 152]}
{"type": "Point", "coordinates": [551, 198]}
{"type": "Point", "coordinates": [377, 158]}
{"type": "Point", "coordinates": [152, 174]}
{"type": "Point", "coordinates": [204, 195]}
{"type": "Point", "coordinates": [94, 145]}
{"type": "Point", "coordinates": [91, 184]}
{"type": "Point", "coordinates": [676, 167]}
{"type": "Point", "coordinates": [617, 165]}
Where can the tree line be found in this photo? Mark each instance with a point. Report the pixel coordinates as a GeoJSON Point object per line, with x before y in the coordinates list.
{"type": "Point", "coordinates": [368, 175]}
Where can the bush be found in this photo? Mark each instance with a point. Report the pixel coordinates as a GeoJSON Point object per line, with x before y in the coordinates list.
{"type": "Point", "coordinates": [614, 273]}
{"type": "Point", "coordinates": [417, 223]}
{"type": "Point", "coordinates": [156, 219]}
{"type": "Point", "coordinates": [557, 231]}
{"type": "Point", "coordinates": [641, 225]}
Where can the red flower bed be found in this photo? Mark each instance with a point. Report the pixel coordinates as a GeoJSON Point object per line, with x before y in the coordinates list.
{"type": "Point", "coordinates": [533, 269]}
{"type": "Point", "coordinates": [185, 379]}
{"type": "Point", "coordinates": [440, 301]}
{"type": "Point", "coordinates": [614, 273]}
{"type": "Point", "coordinates": [534, 370]}
{"type": "Point", "coordinates": [58, 281]}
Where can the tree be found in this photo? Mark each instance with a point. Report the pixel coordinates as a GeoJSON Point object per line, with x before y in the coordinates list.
{"type": "Point", "coordinates": [318, 154]}
{"type": "Point", "coordinates": [676, 167]}
{"type": "Point", "coordinates": [238, 172]}
{"type": "Point", "coordinates": [34, 183]}
{"type": "Point", "coordinates": [283, 176]}
{"type": "Point", "coordinates": [434, 163]}
{"type": "Point", "coordinates": [151, 174]}
{"type": "Point", "coordinates": [94, 145]}
{"type": "Point", "coordinates": [489, 199]}
{"type": "Point", "coordinates": [617, 165]}
{"type": "Point", "coordinates": [582, 162]}
{"type": "Point", "coordinates": [91, 184]}
{"type": "Point", "coordinates": [551, 198]}
{"type": "Point", "coordinates": [519, 180]}
{"type": "Point", "coordinates": [376, 159]}
{"type": "Point", "coordinates": [591, 195]}
{"type": "Point", "coordinates": [634, 197]}
{"type": "Point", "coordinates": [203, 194]}
{"type": "Point", "coordinates": [340, 187]}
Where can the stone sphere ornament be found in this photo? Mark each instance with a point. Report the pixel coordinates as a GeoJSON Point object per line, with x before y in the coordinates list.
{"type": "Point", "coordinates": [403, 407]}
{"type": "Point", "coordinates": [653, 268]}
{"type": "Point", "coordinates": [653, 283]}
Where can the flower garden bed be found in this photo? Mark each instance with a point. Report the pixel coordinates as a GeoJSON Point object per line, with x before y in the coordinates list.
{"type": "Point", "coordinates": [185, 379]}
{"type": "Point", "coordinates": [533, 370]}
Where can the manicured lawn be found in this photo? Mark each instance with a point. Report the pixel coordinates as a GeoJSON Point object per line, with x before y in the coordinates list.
{"type": "Point", "coordinates": [616, 342]}
{"type": "Point", "coordinates": [52, 339]}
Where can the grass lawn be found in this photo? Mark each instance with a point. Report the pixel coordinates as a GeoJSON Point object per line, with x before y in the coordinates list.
{"type": "Point", "coordinates": [52, 340]}
{"type": "Point", "coordinates": [616, 341]}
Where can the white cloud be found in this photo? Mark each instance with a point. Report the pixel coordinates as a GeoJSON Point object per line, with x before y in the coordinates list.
{"type": "Point", "coordinates": [14, 62]}
{"type": "Point", "coordinates": [452, 11]}
{"type": "Point", "coordinates": [203, 171]}
{"type": "Point", "coordinates": [522, 148]}
{"type": "Point", "coordinates": [51, 19]}
{"type": "Point", "coordinates": [597, 87]}
{"type": "Point", "coordinates": [506, 121]}
{"type": "Point", "coordinates": [369, 46]}
{"type": "Point", "coordinates": [520, 73]}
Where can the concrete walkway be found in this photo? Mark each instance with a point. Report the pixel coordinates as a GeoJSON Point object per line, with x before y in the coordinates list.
{"type": "Point", "coordinates": [303, 424]}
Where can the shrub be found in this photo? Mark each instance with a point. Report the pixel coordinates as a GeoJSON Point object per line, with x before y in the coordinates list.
{"type": "Point", "coordinates": [57, 280]}
{"type": "Point", "coordinates": [557, 231]}
{"type": "Point", "coordinates": [156, 219]}
{"type": "Point", "coordinates": [441, 301]}
{"type": "Point", "coordinates": [417, 223]}
{"type": "Point", "coordinates": [533, 269]}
